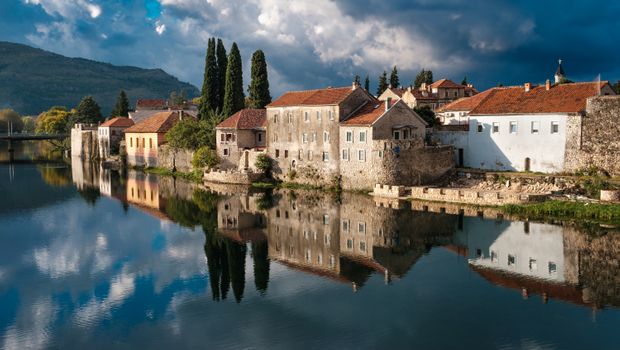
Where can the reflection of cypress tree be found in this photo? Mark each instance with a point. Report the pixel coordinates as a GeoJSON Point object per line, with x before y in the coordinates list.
{"type": "Point", "coordinates": [236, 263]}
{"type": "Point", "coordinates": [90, 195]}
{"type": "Point", "coordinates": [261, 265]}
{"type": "Point", "coordinates": [213, 253]}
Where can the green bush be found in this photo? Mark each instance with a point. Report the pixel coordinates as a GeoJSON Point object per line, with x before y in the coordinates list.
{"type": "Point", "coordinates": [204, 157]}
{"type": "Point", "coordinates": [263, 163]}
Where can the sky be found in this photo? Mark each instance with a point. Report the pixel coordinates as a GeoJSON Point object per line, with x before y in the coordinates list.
{"type": "Point", "coordinates": [319, 43]}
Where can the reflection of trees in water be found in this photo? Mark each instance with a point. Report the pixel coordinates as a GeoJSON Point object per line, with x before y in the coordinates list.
{"type": "Point", "coordinates": [90, 195]}
{"type": "Point", "coordinates": [260, 255]}
{"type": "Point", "coordinates": [217, 263]}
{"type": "Point", "coordinates": [236, 263]}
{"type": "Point", "coordinates": [57, 176]}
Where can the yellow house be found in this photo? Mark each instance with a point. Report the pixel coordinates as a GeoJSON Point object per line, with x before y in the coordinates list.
{"type": "Point", "coordinates": [142, 140]}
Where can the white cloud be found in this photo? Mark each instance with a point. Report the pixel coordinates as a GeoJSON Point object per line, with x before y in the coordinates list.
{"type": "Point", "coordinates": [160, 28]}
{"type": "Point", "coordinates": [68, 8]}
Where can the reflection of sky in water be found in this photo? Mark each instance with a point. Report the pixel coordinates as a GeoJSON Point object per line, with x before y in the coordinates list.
{"type": "Point", "coordinates": [79, 276]}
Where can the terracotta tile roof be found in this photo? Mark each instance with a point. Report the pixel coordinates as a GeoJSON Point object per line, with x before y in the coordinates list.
{"type": "Point", "coordinates": [328, 96]}
{"type": "Point", "coordinates": [160, 122]}
{"type": "Point", "coordinates": [446, 83]}
{"type": "Point", "coordinates": [118, 122]}
{"type": "Point", "coordinates": [563, 98]}
{"type": "Point", "coordinates": [466, 103]}
{"type": "Point", "coordinates": [245, 119]}
{"type": "Point", "coordinates": [367, 114]}
{"type": "Point", "coordinates": [398, 91]}
{"type": "Point", "coordinates": [151, 103]}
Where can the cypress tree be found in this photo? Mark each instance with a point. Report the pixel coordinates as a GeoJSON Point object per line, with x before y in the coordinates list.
{"type": "Point", "coordinates": [88, 111]}
{"type": "Point", "coordinates": [258, 90]}
{"type": "Point", "coordinates": [367, 83]}
{"type": "Point", "coordinates": [208, 99]}
{"type": "Point", "coordinates": [428, 77]}
{"type": "Point", "coordinates": [356, 80]}
{"type": "Point", "coordinates": [234, 98]}
{"type": "Point", "coordinates": [121, 108]}
{"type": "Point", "coordinates": [382, 83]}
{"type": "Point", "coordinates": [394, 81]}
{"type": "Point", "coordinates": [222, 63]}
{"type": "Point", "coordinates": [464, 82]}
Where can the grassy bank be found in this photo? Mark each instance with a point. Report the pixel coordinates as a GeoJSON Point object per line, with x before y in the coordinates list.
{"type": "Point", "coordinates": [295, 186]}
{"type": "Point", "coordinates": [195, 176]}
{"type": "Point", "coordinates": [564, 210]}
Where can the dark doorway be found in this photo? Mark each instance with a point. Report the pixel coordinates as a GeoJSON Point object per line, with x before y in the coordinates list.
{"type": "Point", "coordinates": [527, 164]}
{"type": "Point", "coordinates": [461, 158]}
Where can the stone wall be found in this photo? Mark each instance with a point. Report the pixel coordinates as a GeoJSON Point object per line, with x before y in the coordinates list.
{"type": "Point", "coordinates": [594, 140]}
{"type": "Point", "coordinates": [232, 176]}
{"type": "Point", "coordinates": [181, 160]}
{"type": "Point", "coordinates": [84, 143]}
{"type": "Point", "coordinates": [469, 196]}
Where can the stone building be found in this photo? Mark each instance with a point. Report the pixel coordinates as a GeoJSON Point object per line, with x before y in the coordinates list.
{"type": "Point", "coordinates": [110, 134]}
{"type": "Point", "coordinates": [142, 140]}
{"type": "Point", "coordinates": [84, 144]}
{"type": "Point", "coordinates": [306, 137]}
{"type": "Point", "coordinates": [434, 96]}
{"type": "Point", "coordinates": [239, 135]}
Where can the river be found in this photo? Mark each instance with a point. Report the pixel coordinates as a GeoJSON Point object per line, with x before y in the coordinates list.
{"type": "Point", "coordinates": [96, 259]}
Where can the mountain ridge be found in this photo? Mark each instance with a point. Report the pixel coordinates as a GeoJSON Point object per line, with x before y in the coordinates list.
{"type": "Point", "coordinates": [32, 80]}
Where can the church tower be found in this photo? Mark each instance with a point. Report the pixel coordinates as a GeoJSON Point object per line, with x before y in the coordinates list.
{"type": "Point", "coordinates": [559, 73]}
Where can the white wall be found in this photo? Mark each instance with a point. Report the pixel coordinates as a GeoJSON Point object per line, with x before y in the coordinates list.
{"type": "Point", "coordinates": [507, 151]}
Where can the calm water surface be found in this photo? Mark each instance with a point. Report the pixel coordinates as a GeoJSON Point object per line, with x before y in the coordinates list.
{"type": "Point", "coordinates": [96, 259]}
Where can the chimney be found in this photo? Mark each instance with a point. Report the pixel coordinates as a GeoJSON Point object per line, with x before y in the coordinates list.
{"type": "Point", "coordinates": [528, 87]}
{"type": "Point", "coordinates": [547, 85]}
{"type": "Point", "coordinates": [388, 101]}
{"type": "Point", "coordinates": [355, 85]}
{"type": "Point", "coordinates": [389, 86]}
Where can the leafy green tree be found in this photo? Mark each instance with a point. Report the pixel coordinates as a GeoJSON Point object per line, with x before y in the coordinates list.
{"type": "Point", "coordinates": [54, 121]}
{"type": "Point", "coordinates": [427, 114]}
{"type": "Point", "coordinates": [177, 99]}
{"type": "Point", "coordinates": [12, 118]}
{"type": "Point", "coordinates": [382, 83]}
{"type": "Point", "coordinates": [121, 108]}
{"type": "Point", "coordinates": [222, 63]}
{"type": "Point", "coordinates": [367, 83]}
{"type": "Point", "coordinates": [263, 163]}
{"type": "Point", "coordinates": [88, 111]}
{"type": "Point", "coordinates": [189, 134]}
{"type": "Point", "coordinates": [209, 97]}
{"type": "Point", "coordinates": [394, 81]}
{"type": "Point", "coordinates": [28, 124]}
{"type": "Point", "coordinates": [258, 90]}
{"type": "Point", "coordinates": [204, 157]}
{"type": "Point", "coordinates": [233, 96]}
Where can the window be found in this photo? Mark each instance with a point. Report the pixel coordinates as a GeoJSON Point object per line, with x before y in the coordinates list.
{"type": "Point", "coordinates": [277, 153]}
{"type": "Point", "coordinates": [380, 153]}
{"type": "Point", "coordinates": [552, 268]}
{"type": "Point", "coordinates": [306, 117]}
{"type": "Point", "coordinates": [345, 225]}
{"type": "Point", "coordinates": [361, 227]}
{"type": "Point", "coordinates": [555, 127]}
{"type": "Point", "coordinates": [349, 244]}
{"type": "Point", "coordinates": [325, 136]}
{"type": "Point", "coordinates": [511, 260]}
{"type": "Point", "coordinates": [150, 142]}
{"type": "Point", "coordinates": [275, 118]}
{"type": "Point", "coordinates": [332, 261]}
{"type": "Point", "coordinates": [259, 136]}
{"type": "Point", "coordinates": [480, 127]}
{"type": "Point", "coordinates": [361, 155]}
{"type": "Point", "coordinates": [314, 136]}
{"type": "Point", "coordinates": [309, 155]}
{"type": "Point", "coordinates": [222, 137]}
{"type": "Point", "coordinates": [318, 116]}
{"type": "Point", "coordinates": [494, 256]}
{"type": "Point", "coordinates": [327, 238]}
{"type": "Point", "coordinates": [362, 136]}
{"type": "Point", "coordinates": [301, 154]}
{"type": "Point", "coordinates": [290, 118]}
{"type": "Point", "coordinates": [513, 127]}
{"type": "Point", "coordinates": [533, 265]}
{"type": "Point", "coordinates": [331, 115]}
{"type": "Point", "coordinates": [226, 152]}
{"type": "Point", "coordinates": [349, 136]}
{"type": "Point", "coordinates": [325, 219]}
{"type": "Point", "coordinates": [535, 127]}
{"type": "Point", "coordinates": [285, 153]}
{"type": "Point", "coordinates": [325, 156]}
{"type": "Point", "coordinates": [495, 127]}
{"type": "Point", "coordinates": [362, 246]}
{"type": "Point", "coordinates": [405, 134]}
{"type": "Point", "coordinates": [304, 138]}
{"type": "Point", "coordinates": [131, 142]}
{"type": "Point", "coordinates": [345, 154]}
{"type": "Point", "coordinates": [396, 135]}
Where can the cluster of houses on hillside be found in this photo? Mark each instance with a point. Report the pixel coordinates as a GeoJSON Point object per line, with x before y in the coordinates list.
{"type": "Point", "coordinates": [348, 136]}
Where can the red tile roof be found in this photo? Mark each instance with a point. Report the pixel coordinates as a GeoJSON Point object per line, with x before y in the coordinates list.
{"type": "Point", "coordinates": [328, 96]}
{"type": "Point", "coordinates": [563, 98]}
{"type": "Point", "coordinates": [423, 95]}
{"type": "Point", "coordinates": [245, 119]}
{"type": "Point", "coordinates": [118, 122]}
{"type": "Point", "coordinates": [446, 83]}
{"type": "Point", "coordinates": [398, 91]}
{"type": "Point", "coordinates": [366, 115]}
{"type": "Point", "coordinates": [160, 122]}
{"type": "Point", "coordinates": [151, 103]}
{"type": "Point", "coordinates": [466, 103]}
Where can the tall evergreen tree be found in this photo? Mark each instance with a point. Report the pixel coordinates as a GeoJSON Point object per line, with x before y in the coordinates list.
{"type": "Point", "coordinates": [464, 81]}
{"type": "Point", "coordinates": [424, 76]}
{"type": "Point", "coordinates": [121, 108]}
{"type": "Point", "coordinates": [382, 83]}
{"type": "Point", "coordinates": [234, 98]}
{"type": "Point", "coordinates": [428, 77]}
{"type": "Point", "coordinates": [356, 80]}
{"type": "Point", "coordinates": [222, 63]}
{"type": "Point", "coordinates": [258, 90]}
{"type": "Point", "coordinates": [394, 81]}
{"type": "Point", "coordinates": [88, 111]}
{"type": "Point", "coordinates": [208, 99]}
{"type": "Point", "coordinates": [367, 83]}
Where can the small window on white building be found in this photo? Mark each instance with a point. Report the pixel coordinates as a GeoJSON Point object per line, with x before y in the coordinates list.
{"type": "Point", "coordinates": [275, 118]}
{"type": "Point", "coordinates": [533, 265]}
{"type": "Point", "coordinates": [277, 153]}
{"type": "Point", "coordinates": [362, 136]}
{"type": "Point", "coordinates": [535, 127]}
{"type": "Point", "coordinates": [325, 156]}
{"type": "Point", "coordinates": [306, 117]}
{"type": "Point", "coordinates": [349, 244]}
{"type": "Point", "coordinates": [301, 154]}
{"type": "Point", "coordinates": [361, 227]}
{"type": "Point", "coordinates": [318, 116]}
{"type": "Point", "coordinates": [552, 268]}
{"type": "Point", "coordinates": [345, 154]}
{"type": "Point", "coordinates": [290, 117]}
{"type": "Point", "coordinates": [259, 137]}
{"type": "Point", "coordinates": [555, 127]}
{"type": "Point", "coordinates": [396, 135]}
{"type": "Point", "coordinates": [361, 155]}
{"type": "Point", "coordinates": [512, 260]}
{"type": "Point", "coordinates": [325, 136]}
{"type": "Point", "coordinates": [380, 153]}
{"type": "Point", "coordinates": [479, 127]}
{"type": "Point", "coordinates": [495, 127]}
{"type": "Point", "coordinates": [331, 115]}
{"type": "Point", "coordinates": [494, 256]}
{"type": "Point", "coordinates": [304, 138]}
{"type": "Point", "coordinates": [513, 127]}
{"type": "Point", "coordinates": [349, 136]}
